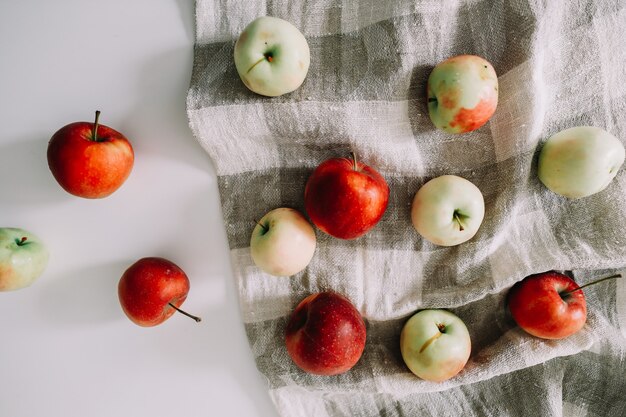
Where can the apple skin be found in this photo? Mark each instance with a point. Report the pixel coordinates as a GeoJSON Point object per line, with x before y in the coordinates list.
{"type": "Point", "coordinates": [148, 286]}
{"type": "Point", "coordinates": [537, 306]}
{"type": "Point", "coordinates": [325, 334]}
{"type": "Point", "coordinates": [88, 168]}
{"type": "Point", "coordinates": [436, 204]}
{"type": "Point", "coordinates": [462, 93]}
{"type": "Point", "coordinates": [23, 258]}
{"type": "Point", "coordinates": [435, 345]}
{"type": "Point", "coordinates": [580, 161]}
{"type": "Point", "coordinates": [345, 198]}
{"type": "Point", "coordinates": [272, 56]}
{"type": "Point", "coordinates": [283, 242]}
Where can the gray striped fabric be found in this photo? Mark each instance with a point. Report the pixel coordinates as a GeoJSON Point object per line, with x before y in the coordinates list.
{"type": "Point", "coordinates": [560, 64]}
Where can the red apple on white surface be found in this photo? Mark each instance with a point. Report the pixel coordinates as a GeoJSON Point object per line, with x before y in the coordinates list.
{"type": "Point", "coordinates": [435, 345]}
{"type": "Point", "coordinates": [549, 305]}
{"type": "Point", "coordinates": [283, 242]}
{"type": "Point", "coordinates": [462, 93]}
{"type": "Point", "coordinates": [272, 56]}
{"type": "Point", "coordinates": [151, 290]}
{"type": "Point", "coordinates": [580, 161]}
{"type": "Point", "coordinates": [23, 258]}
{"type": "Point", "coordinates": [448, 210]}
{"type": "Point", "coordinates": [325, 334]}
{"type": "Point", "coordinates": [90, 160]}
{"type": "Point", "coordinates": [345, 198]}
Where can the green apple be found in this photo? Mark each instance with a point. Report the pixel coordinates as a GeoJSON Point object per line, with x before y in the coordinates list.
{"type": "Point", "coordinates": [283, 242]}
{"type": "Point", "coordinates": [448, 210]}
{"type": "Point", "coordinates": [580, 161]}
{"type": "Point", "coordinates": [462, 93]}
{"type": "Point", "coordinates": [435, 345]}
{"type": "Point", "coordinates": [272, 56]}
{"type": "Point", "coordinates": [23, 258]}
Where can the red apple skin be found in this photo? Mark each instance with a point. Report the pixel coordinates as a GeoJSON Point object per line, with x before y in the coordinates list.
{"type": "Point", "coordinates": [148, 286]}
{"type": "Point", "coordinates": [88, 168]}
{"type": "Point", "coordinates": [538, 308]}
{"type": "Point", "coordinates": [343, 201]}
{"type": "Point", "coordinates": [325, 334]}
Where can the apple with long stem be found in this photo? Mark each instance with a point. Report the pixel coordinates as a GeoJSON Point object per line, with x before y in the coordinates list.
{"type": "Point", "coordinates": [550, 305]}
{"type": "Point", "coordinates": [151, 290]}
{"type": "Point", "coordinates": [345, 198]}
{"type": "Point", "coordinates": [90, 160]}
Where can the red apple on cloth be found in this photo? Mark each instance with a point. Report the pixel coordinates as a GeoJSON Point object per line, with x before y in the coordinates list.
{"type": "Point", "coordinates": [435, 344]}
{"type": "Point", "coordinates": [345, 198]}
{"type": "Point", "coordinates": [325, 334]}
{"type": "Point", "coordinates": [90, 160]}
{"type": "Point", "coordinates": [462, 93]}
{"type": "Point", "coordinates": [151, 290]}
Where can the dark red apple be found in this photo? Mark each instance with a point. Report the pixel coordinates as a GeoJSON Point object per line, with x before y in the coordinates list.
{"type": "Point", "coordinates": [151, 290]}
{"type": "Point", "coordinates": [345, 198]}
{"type": "Point", "coordinates": [325, 334]}
{"type": "Point", "coordinates": [90, 160]}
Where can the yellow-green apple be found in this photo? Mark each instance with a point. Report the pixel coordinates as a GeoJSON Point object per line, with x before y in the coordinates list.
{"type": "Point", "coordinates": [462, 93]}
{"type": "Point", "coordinates": [448, 210]}
{"type": "Point", "coordinates": [580, 161]}
{"type": "Point", "coordinates": [151, 290]}
{"type": "Point", "coordinates": [283, 242]}
{"type": "Point", "coordinates": [90, 160]}
{"type": "Point", "coordinates": [23, 258]}
{"type": "Point", "coordinates": [549, 305]}
{"type": "Point", "coordinates": [272, 56]}
{"type": "Point", "coordinates": [325, 334]}
{"type": "Point", "coordinates": [345, 198]}
{"type": "Point", "coordinates": [435, 344]}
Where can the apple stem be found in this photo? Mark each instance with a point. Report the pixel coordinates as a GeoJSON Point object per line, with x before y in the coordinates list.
{"type": "Point", "coordinates": [94, 132]}
{"type": "Point", "coordinates": [265, 228]}
{"type": "Point", "coordinates": [22, 241]}
{"type": "Point", "coordinates": [591, 283]}
{"type": "Point", "coordinates": [257, 63]}
{"type": "Point", "coordinates": [197, 319]}
{"type": "Point", "coordinates": [355, 166]}
{"type": "Point", "coordinates": [437, 335]}
{"type": "Point", "coordinates": [457, 218]}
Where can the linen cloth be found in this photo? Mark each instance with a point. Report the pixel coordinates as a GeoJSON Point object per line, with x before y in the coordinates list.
{"type": "Point", "coordinates": [560, 64]}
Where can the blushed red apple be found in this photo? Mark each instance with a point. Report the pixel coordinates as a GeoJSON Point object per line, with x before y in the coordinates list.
{"type": "Point", "coordinates": [325, 334]}
{"type": "Point", "coordinates": [345, 198]}
{"type": "Point", "coordinates": [462, 93]}
{"type": "Point", "coordinates": [151, 290]}
{"type": "Point", "coordinates": [90, 160]}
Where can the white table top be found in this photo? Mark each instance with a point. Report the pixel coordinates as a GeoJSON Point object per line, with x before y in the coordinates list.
{"type": "Point", "coordinates": [66, 347]}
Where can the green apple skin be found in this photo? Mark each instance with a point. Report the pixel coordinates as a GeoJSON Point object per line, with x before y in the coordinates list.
{"type": "Point", "coordinates": [448, 210]}
{"type": "Point", "coordinates": [580, 161]}
{"type": "Point", "coordinates": [272, 56]}
{"type": "Point", "coordinates": [435, 345]}
{"type": "Point", "coordinates": [462, 93]}
{"type": "Point", "coordinates": [283, 242]}
{"type": "Point", "coordinates": [23, 258]}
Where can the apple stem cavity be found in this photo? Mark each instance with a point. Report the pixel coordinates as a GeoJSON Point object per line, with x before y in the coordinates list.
{"type": "Point", "coordinates": [22, 241]}
{"type": "Point", "coordinates": [565, 294]}
{"type": "Point", "coordinates": [264, 227]}
{"type": "Point", "coordinates": [197, 319]}
{"type": "Point", "coordinates": [457, 218]}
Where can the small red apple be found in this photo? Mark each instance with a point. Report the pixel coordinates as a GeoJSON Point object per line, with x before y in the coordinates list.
{"type": "Point", "coordinates": [345, 198]}
{"type": "Point", "coordinates": [325, 334]}
{"type": "Point", "coordinates": [549, 305]}
{"type": "Point", "coordinates": [151, 290]}
{"type": "Point", "coordinates": [90, 160]}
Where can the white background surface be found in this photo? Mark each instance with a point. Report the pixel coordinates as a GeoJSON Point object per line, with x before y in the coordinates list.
{"type": "Point", "coordinates": [66, 348]}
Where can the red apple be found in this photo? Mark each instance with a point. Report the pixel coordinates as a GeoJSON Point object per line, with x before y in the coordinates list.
{"type": "Point", "coordinates": [325, 334]}
{"type": "Point", "coordinates": [345, 198]}
{"type": "Point", "coordinates": [90, 160]}
{"type": "Point", "coordinates": [151, 290]}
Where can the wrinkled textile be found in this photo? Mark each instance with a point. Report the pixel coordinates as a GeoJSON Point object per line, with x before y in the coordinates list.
{"type": "Point", "coordinates": [560, 64]}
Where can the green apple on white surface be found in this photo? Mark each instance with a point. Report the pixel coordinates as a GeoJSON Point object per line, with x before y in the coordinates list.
{"type": "Point", "coordinates": [272, 56]}
{"type": "Point", "coordinates": [435, 345]}
{"type": "Point", "coordinates": [283, 242]}
{"type": "Point", "coordinates": [448, 210]}
{"type": "Point", "coordinates": [580, 161]}
{"type": "Point", "coordinates": [23, 258]}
